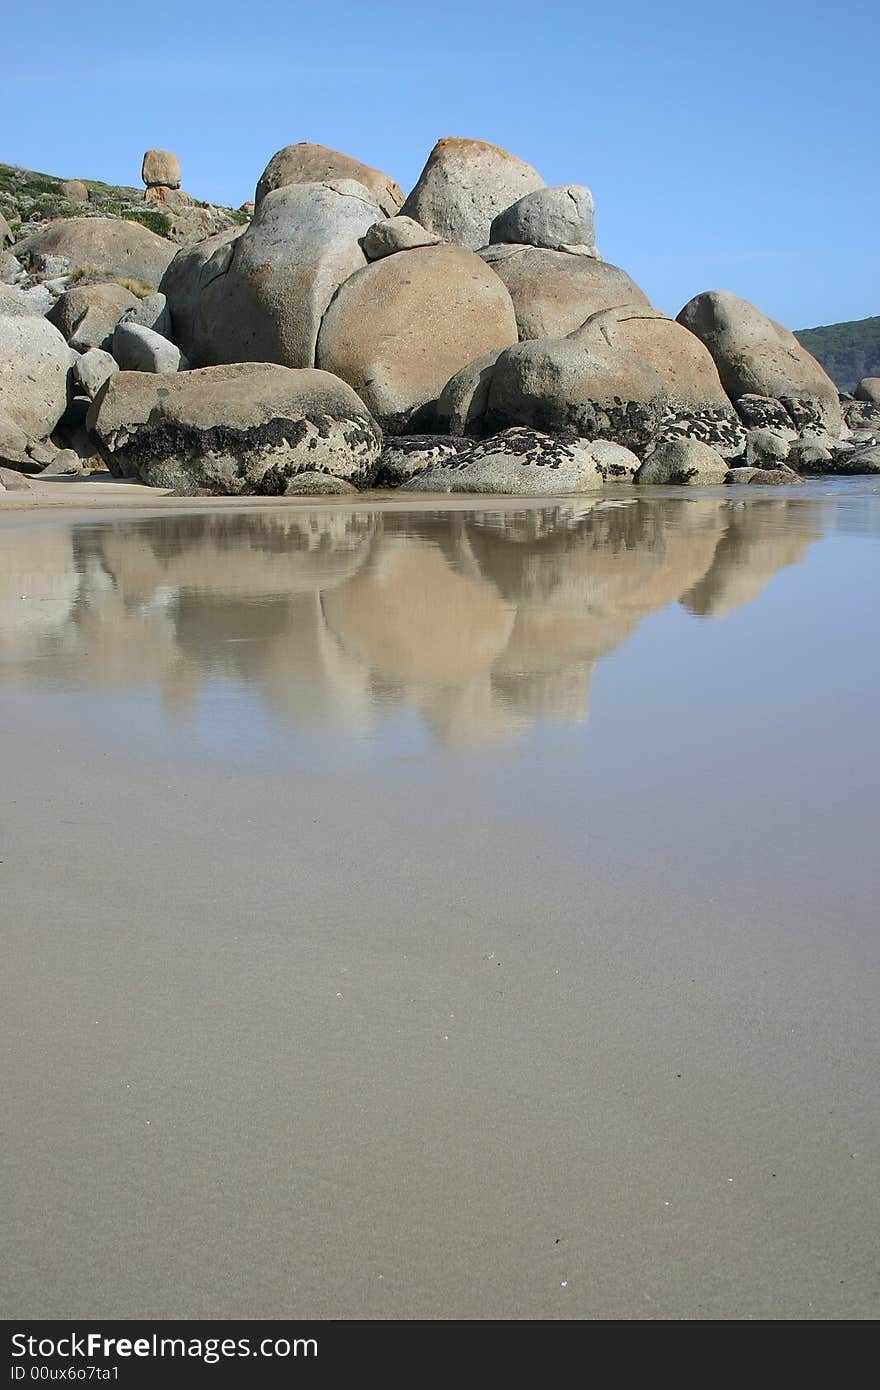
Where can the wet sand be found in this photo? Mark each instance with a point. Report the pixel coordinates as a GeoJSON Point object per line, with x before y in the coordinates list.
{"type": "Point", "coordinates": [558, 1003]}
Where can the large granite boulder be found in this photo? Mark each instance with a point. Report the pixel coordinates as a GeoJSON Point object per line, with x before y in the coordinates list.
{"type": "Point", "coordinates": [88, 314]}
{"type": "Point", "coordinates": [550, 217]}
{"type": "Point", "coordinates": [307, 163]}
{"type": "Point", "coordinates": [35, 368]}
{"type": "Point", "coordinates": [554, 292]}
{"type": "Point", "coordinates": [755, 355]}
{"type": "Point", "coordinates": [464, 186]}
{"type": "Point", "coordinates": [242, 428]}
{"type": "Point", "coordinates": [400, 328]}
{"type": "Point", "coordinates": [261, 297]}
{"type": "Point", "coordinates": [628, 374]}
{"type": "Point", "coordinates": [521, 462]}
{"type": "Point", "coordinates": [110, 245]}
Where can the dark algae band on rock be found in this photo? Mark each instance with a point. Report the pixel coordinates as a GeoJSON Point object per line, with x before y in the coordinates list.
{"type": "Point", "coordinates": [234, 353]}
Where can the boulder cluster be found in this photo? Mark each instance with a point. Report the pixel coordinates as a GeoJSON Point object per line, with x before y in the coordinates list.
{"type": "Point", "coordinates": [467, 338]}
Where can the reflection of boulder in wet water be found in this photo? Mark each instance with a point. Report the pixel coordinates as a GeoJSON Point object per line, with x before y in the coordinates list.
{"type": "Point", "coordinates": [291, 552]}
{"type": "Point", "coordinates": [759, 540]}
{"type": "Point", "coordinates": [412, 619]}
{"type": "Point", "coordinates": [39, 585]}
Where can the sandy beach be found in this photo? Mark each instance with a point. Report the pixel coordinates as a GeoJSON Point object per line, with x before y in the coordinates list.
{"type": "Point", "coordinates": [358, 1021]}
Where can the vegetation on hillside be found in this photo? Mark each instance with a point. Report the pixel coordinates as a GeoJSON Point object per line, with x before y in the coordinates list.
{"type": "Point", "coordinates": [847, 351]}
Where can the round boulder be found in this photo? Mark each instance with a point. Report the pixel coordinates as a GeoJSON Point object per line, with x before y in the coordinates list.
{"type": "Point", "coordinates": [550, 217]}
{"type": "Point", "coordinates": [687, 461]}
{"type": "Point", "coordinates": [520, 462]}
{"type": "Point", "coordinates": [225, 428]}
{"type": "Point", "coordinates": [868, 389]}
{"type": "Point", "coordinates": [307, 163]}
{"type": "Point", "coordinates": [395, 234]}
{"type": "Point", "coordinates": [464, 186]}
{"type": "Point", "coordinates": [35, 366]}
{"type": "Point", "coordinates": [400, 328]}
{"type": "Point", "coordinates": [756, 355]}
{"type": "Point", "coordinates": [88, 314]}
{"type": "Point", "coordinates": [110, 245]}
{"type": "Point", "coordinates": [74, 190]}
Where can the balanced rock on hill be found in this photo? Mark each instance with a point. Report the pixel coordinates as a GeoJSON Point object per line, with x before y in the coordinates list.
{"type": "Point", "coordinates": [464, 186]}
{"type": "Point", "coordinates": [307, 163]}
{"type": "Point", "coordinates": [756, 355]}
{"type": "Point", "coordinates": [400, 328]}
{"type": "Point", "coordinates": [242, 428]}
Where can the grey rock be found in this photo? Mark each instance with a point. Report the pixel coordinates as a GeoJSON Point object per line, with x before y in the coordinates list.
{"type": "Point", "coordinates": [518, 462]}
{"type": "Point", "coordinates": [151, 312]}
{"type": "Point", "coordinates": [185, 285]}
{"type": "Point", "coordinates": [42, 452]}
{"type": "Point", "coordinates": [464, 186]}
{"type": "Point", "coordinates": [461, 405]}
{"type": "Point", "coordinates": [683, 461]}
{"type": "Point", "coordinates": [35, 367]}
{"type": "Point", "coordinates": [868, 389]}
{"type": "Point", "coordinates": [242, 428]}
{"type": "Point", "coordinates": [65, 464]}
{"type": "Point", "coordinates": [549, 217]}
{"type": "Point", "coordinates": [808, 456]}
{"type": "Point", "coordinates": [405, 456]}
{"type": "Point", "coordinates": [10, 268]}
{"type": "Point", "coordinates": [765, 448]}
{"type": "Point", "coordinates": [554, 292]}
{"type": "Point", "coordinates": [756, 355]}
{"type": "Point", "coordinates": [13, 481]}
{"type": "Point", "coordinates": [92, 369]}
{"type": "Point", "coordinates": [13, 444]}
{"type": "Point", "coordinates": [110, 245]}
{"type": "Point", "coordinates": [394, 234]}
{"type": "Point", "coordinates": [139, 349]}
{"type": "Point", "coordinates": [764, 412]}
{"type": "Point", "coordinates": [88, 314]}
{"type": "Point", "coordinates": [262, 297]}
{"type": "Point", "coordinates": [317, 485]}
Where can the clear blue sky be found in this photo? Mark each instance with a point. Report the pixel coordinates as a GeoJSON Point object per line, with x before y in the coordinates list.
{"type": "Point", "coordinates": [727, 147]}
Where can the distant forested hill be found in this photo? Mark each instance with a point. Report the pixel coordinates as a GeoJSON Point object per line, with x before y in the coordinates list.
{"type": "Point", "coordinates": [847, 351]}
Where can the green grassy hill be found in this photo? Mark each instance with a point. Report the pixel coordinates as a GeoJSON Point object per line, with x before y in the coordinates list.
{"type": "Point", "coordinates": [847, 351]}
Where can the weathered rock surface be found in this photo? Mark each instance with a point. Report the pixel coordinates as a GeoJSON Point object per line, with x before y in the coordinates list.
{"type": "Point", "coordinates": [13, 444]}
{"type": "Point", "coordinates": [74, 190]}
{"type": "Point", "coordinates": [395, 234]}
{"type": "Point", "coordinates": [868, 389]}
{"type": "Point", "coordinates": [35, 365]}
{"type": "Point", "coordinates": [400, 328]}
{"type": "Point", "coordinates": [461, 405]}
{"type": "Point", "coordinates": [683, 461]}
{"type": "Point", "coordinates": [629, 374]}
{"type": "Point", "coordinates": [161, 167]}
{"type": "Point", "coordinates": [308, 163]}
{"type": "Point", "coordinates": [261, 297]}
{"type": "Point", "coordinates": [407, 455]}
{"type": "Point", "coordinates": [766, 448]}
{"type": "Point", "coordinates": [520, 462]}
{"type": "Point", "coordinates": [151, 312]}
{"type": "Point", "coordinates": [809, 456]}
{"type": "Point", "coordinates": [549, 217]}
{"type": "Point", "coordinates": [92, 369]}
{"type": "Point", "coordinates": [555, 292]}
{"type": "Point", "coordinates": [88, 314]}
{"type": "Point", "coordinates": [756, 355]}
{"type": "Point", "coordinates": [13, 481]}
{"type": "Point", "coordinates": [110, 245]}
{"type": "Point", "coordinates": [139, 349]}
{"type": "Point", "coordinates": [464, 186]}
{"type": "Point", "coordinates": [309, 485]}
{"type": "Point", "coordinates": [765, 413]}
{"type": "Point", "coordinates": [226, 428]}
{"type": "Point", "coordinates": [763, 477]}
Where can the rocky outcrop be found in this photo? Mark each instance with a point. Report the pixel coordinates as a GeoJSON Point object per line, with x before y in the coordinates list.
{"type": "Point", "coordinates": [307, 163]}
{"type": "Point", "coordinates": [261, 296]}
{"type": "Point", "coordinates": [629, 374]}
{"type": "Point", "coordinates": [88, 314]}
{"type": "Point", "coordinates": [110, 245]}
{"type": "Point", "coordinates": [756, 355]}
{"type": "Point", "coordinates": [242, 428]}
{"type": "Point", "coordinates": [521, 462]}
{"type": "Point", "coordinates": [555, 292]}
{"type": "Point", "coordinates": [551, 217]}
{"type": "Point", "coordinates": [35, 365]}
{"type": "Point", "coordinates": [400, 328]}
{"type": "Point", "coordinates": [464, 186]}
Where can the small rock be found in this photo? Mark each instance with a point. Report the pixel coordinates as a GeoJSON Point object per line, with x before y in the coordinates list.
{"type": "Point", "coordinates": [686, 461]}
{"type": "Point", "coordinates": [317, 485]}
{"type": "Point", "coordinates": [74, 190]}
{"type": "Point", "coordinates": [66, 463]}
{"type": "Point", "coordinates": [92, 369]}
{"type": "Point", "coordinates": [139, 349]}
{"type": "Point", "coordinates": [395, 234]}
{"type": "Point", "coordinates": [12, 481]}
